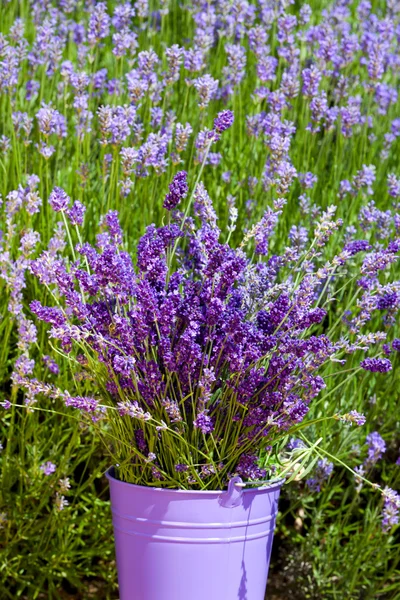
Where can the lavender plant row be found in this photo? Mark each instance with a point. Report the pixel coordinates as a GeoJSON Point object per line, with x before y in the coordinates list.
{"type": "Point", "coordinates": [200, 202]}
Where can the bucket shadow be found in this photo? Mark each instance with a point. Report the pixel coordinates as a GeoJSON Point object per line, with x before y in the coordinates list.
{"type": "Point", "coordinates": [242, 595]}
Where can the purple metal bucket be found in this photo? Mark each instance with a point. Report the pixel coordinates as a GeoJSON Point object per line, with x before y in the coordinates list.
{"type": "Point", "coordinates": [193, 545]}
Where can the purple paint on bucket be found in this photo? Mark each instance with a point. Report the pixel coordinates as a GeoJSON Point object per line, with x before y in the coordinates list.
{"type": "Point", "coordinates": [193, 545]}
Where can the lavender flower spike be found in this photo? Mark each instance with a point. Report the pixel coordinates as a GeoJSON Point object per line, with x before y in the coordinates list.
{"type": "Point", "coordinates": [391, 508]}
{"type": "Point", "coordinates": [354, 417]}
{"type": "Point", "coordinates": [322, 474]}
{"type": "Point", "coordinates": [59, 200]}
{"type": "Point", "coordinates": [178, 190]}
{"type": "Point", "coordinates": [224, 120]}
{"type": "Point", "coordinates": [376, 365]}
{"type": "Point", "coordinates": [76, 213]}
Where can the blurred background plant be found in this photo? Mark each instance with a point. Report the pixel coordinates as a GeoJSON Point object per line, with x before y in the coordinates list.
{"type": "Point", "coordinates": [96, 98]}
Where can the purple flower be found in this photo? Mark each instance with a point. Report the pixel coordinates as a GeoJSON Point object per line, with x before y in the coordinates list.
{"type": "Point", "coordinates": [311, 79]}
{"type": "Point", "coordinates": [59, 200]}
{"type": "Point", "coordinates": [385, 95]}
{"type": "Point", "coordinates": [22, 123]}
{"type": "Point", "coordinates": [296, 444]}
{"type": "Point", "coordinates": [356, 246]}
{"type": "Point", "coordinates": [235, 70]}
{"type": "Point", "coordinates": [76, 213]}
{"type": "Point", "coordinates": [376, 448]}
{"type": "Point", "coordinates": [112, 222]}
{"type": "Point", "coordinates": [51, 364]}
{"type": "Point", "coordinates": [84, 404]}
{"type": "Point", "coordinates": [351, 115]}
{"type": "Point", "coordinates": [266, 67]}
{"type": "Point", "coordinates": [48, 468]}
{"type": "Point", "coordinates": [182, 134]}
{"type": "Point", "coordinates": [224, 120]}
{"type": "Point", "coordinates": [123, 15]}
{"type": "Point", "coordinates": [49, 314]}
{"type": "Point", "coordinates": [376, 365]}
{"type": "Point", "coordinates": [322, 473]}
{"type": "Point", "coordinates": [203, 207]}
{"type": "Point", "coordinates": [123, 364]}
{"type": "Point", "coordinates": [61, 502]}
{"type": "Point", "coordinates": [174, 56]}
{"type": "Point", "coordinates": [204, 422]}
{"type": "Point", "coordinates": [264, 229]}
{"type": "Point", "coordinates": [142, 8]}
{"type": "Point", "coordinates": [396, 344]}
{"type": "Point", "coordinates": [181, 468]}
{"type": "Point", "coordinates": [393, 186]}
{"type": "Point", "coordinates": [124, 42]}
{"type": "Point", "coordinates": [387, 301]}
{"type": "Point", "coordinates": [45, 150]}
{"type": "Point", "coordinates": [32, 88]}
{"type": "Point", "coordinates": [354, 417]}
{"type": "Point", "coordinates": [248, 467]}
{"type": "Point", "coordinates": [5, 144]}
{"type": "Point", "coordinates": [305, 13]}
{"type": "Point", "coordinates": [365, 178]}
{"type": "Point", "coordinates": [194, 60]}
{"type": "Point", "coordinates": [178, 190]}
{"type": "Point", "coordinates": [99, 23]}
{"type": "Point", "coordinates": [51, 121]}
{"type": "Point", "coordinates": [24, 365]}
{"type": "Point", "coordinates": [391, 508]}
{"type": "Point", "coordinates": [308, 180]}
{"type": "Point", "coordinates": [116, 123]}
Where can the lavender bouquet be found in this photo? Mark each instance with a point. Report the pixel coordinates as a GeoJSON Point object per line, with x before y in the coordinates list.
{"type": "Point", "coordinates": [201, 359]}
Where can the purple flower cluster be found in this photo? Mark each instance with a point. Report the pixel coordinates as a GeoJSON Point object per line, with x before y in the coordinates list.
{"type": "Point", "coordinates": [178, 190]}
{"type": "Point", "coordinates": [51, 122]}
{"type": "Point", "coordinates": [321, 475]}
{"type": "Point", "coordinates": [354, 417]}
{"type": "Point", "coordinates": [209, 343]}
{"type": "Point", "coordinates": [376, 365]}
{"type": "Point", "coordinates": [51, 364]}
{"type": "Point", "coordinates": [48, 468]}
{"type": "Point", "coordinates": [223, 121]}
{"type": "Point", "coordinates": [59, 200]}
{"type": "Point", "coordinates": [391, 509]}
{"type": "Point", "coordinates": [376, 448]}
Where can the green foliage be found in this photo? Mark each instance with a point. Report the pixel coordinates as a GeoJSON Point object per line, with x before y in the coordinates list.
{"type": "Point", "coordinates": [43, 549]}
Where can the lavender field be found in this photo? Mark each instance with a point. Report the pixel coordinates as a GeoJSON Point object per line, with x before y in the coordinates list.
{"type": "Point", "coordinates": [200, 278]}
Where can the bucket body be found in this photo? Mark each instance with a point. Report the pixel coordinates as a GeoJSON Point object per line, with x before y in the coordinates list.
{"type": "Point", "coordinates": [193, 545]}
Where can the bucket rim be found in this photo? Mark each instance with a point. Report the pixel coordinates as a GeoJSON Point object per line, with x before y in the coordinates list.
{"type": "Point", "coordinates": [267, 486]}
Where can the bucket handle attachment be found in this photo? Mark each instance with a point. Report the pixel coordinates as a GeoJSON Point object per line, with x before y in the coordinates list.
{"type": "Point", "coordinates": [233, 496]}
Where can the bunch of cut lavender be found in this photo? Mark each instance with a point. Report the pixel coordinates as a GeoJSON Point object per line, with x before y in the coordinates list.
{"type": "Point", "coordinates": [203, 359]}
